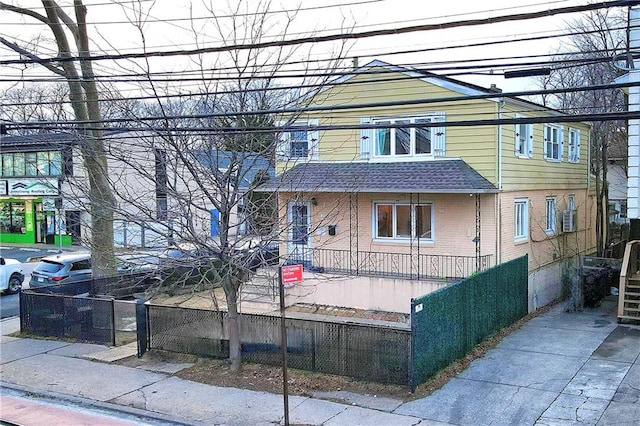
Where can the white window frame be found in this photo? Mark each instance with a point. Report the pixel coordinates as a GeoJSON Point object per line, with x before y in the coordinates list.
{"type": "Point", "coordinates": [394, 223]}
{"type": "Point", "coordinates": [523, 140]}
{"type": "Point", "coordinates": [436, 136]}
{"type": "Point", "coordinates": [553, 140]}
{"type": "Point", "coordinates": [521, 219]}
{"type": "Point", "coordinates": [574, 145]}
{"type": "Point", "coordinates": [551, 216]}
{"type": "Point", "coordinates": [284, 150]}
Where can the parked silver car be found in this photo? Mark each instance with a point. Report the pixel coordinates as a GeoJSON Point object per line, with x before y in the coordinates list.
{"type": "Point", "coordinates": [61, 268]}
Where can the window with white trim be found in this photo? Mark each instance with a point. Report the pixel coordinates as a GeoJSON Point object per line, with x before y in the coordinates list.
{"type": "Point", "coordinates": [414, 139]}
{"type": "Point", "coordinates": [553, 142]}
{"type": "Point", "coordinates": [521, 219]}
{"type": "Point", "coordinates": [574, 145]}
{"type": "Point", "coordinates": [551, 215]}
{"type": "Point", "coordinates": [524, 140]}
{"type": "Point", "coordinates": [298, 141]}
{"type": "Point", "coordinates": [403, 221]}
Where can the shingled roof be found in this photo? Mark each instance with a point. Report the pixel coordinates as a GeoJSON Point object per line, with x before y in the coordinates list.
{"type": "Point", "coordinates": [437, 176]}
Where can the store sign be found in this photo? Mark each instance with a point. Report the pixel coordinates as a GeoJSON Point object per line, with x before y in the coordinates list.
{"type": "Point", "coordinates": [3, 187]}
{"type": "Point", "coordinates": [49, 204]}
{"type": "Point", "coordinates": [28, 186]}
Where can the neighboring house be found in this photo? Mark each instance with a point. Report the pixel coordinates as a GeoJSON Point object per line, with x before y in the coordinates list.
{"type": "Point", "coordinates": [159, 198]}
{"type": "Point", "coordinates": [387, 185]}
{"type": "Point", "coordinates": [617, 180]}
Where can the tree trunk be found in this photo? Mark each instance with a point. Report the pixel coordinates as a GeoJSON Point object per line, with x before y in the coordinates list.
{"type": "Point", "coordinates": [235, 355]}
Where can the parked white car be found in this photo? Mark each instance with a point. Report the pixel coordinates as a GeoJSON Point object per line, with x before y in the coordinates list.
{"type": "Point", "coordinates": [11, 276]}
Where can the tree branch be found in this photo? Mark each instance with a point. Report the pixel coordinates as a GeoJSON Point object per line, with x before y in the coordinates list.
{"type": "Point", "coordinates": [32, 56]}
{"type": "Point", "coordinates": [23, 11]}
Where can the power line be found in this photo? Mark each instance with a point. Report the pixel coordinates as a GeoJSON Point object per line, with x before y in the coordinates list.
{"type": "Point", "coordinates": [340, 36]}
{"type": "Point", "coordinates": [351, 107]}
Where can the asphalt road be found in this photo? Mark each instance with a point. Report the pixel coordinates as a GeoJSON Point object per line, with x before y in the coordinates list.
{"type": "Point", "coordinates": [10, 303]}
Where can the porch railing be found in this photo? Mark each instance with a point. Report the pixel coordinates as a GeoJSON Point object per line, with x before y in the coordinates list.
{"type": "Point", "coordinates": [384, 264]}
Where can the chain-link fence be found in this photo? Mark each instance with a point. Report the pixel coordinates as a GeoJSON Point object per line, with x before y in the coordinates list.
{"type": "Point", "coordinates": [56, 315]}
{"type": "Point", "coordinates": [367, 352]}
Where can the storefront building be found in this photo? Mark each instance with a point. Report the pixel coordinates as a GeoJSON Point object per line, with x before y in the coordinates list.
{"type": "Point", "coordinates": [32, 169]}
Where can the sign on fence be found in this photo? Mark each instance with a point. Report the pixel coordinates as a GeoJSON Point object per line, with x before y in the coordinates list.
{"type": "Point", "coordinates": [291, 274]}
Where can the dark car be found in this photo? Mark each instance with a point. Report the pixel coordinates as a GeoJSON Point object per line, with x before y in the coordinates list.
{"type": "Point", "coordinates": [259, 254]}
{"type": "Point", "coordinates": [187, 263]}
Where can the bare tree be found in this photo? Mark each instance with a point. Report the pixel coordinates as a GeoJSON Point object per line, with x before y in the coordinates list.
{"type": "Point", "coordinates": [597, 37]}
{"type": "Point", "coordinates": [214, 148]}
{"type": "Point", "coordinates": [46, 103]}
{"type": "Point", "coordinates": [75, 67]}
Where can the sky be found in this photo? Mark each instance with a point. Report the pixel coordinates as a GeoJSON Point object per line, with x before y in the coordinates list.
{"type": "Point", "coordinates": [167, 25]}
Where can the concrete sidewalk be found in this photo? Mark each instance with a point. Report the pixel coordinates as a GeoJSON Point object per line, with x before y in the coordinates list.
{"type": "Point", "coordinates": [558, 369]}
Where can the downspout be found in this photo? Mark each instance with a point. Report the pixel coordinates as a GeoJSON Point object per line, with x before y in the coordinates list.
{"type": "Point", "coordinates": [498, 197]}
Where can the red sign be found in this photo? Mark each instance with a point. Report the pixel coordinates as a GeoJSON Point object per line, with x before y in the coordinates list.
{"type": "Point", "coordinates": [291, 274]}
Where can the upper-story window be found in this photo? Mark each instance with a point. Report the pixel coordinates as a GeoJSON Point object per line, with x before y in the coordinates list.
{"type": "Point", "coordinates": [299, 141]}
{"type": "Point", "coordinates": [404, 137]}
{"type": "Point", "coordinates": [553, 142]}
{"type": "Point", "coordinates": [411, 140]}
{"type": "Point", "coordinates": [21, 164]}
{"type": "Point", "coordinates": [574, 145]}
{"type": "Point", "coordinates": [524, 140]}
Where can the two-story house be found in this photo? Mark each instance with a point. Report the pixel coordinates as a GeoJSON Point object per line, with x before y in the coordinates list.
{"type": "Point", "coordinates": [393, 174]}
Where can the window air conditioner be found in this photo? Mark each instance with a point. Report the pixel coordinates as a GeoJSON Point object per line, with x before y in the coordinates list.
{"type": "Point", "coordinates": [569, 220]}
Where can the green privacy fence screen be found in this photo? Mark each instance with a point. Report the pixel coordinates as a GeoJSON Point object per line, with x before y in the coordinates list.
{"type": "Point", "coordinates": [448, 323]}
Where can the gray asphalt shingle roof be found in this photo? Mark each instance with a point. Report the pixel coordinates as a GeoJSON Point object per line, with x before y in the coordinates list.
{"type": "Point", "coordinates": [437, 176]}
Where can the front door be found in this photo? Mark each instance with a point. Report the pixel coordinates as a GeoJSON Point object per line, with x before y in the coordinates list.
{"type": "Point", "coordinates": [299, 233]}
{"type": "Point", "coordinates": [40, 224]}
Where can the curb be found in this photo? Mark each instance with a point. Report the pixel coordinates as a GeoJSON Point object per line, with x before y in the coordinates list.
{"type": "Point", "coordinates": [106, 407]}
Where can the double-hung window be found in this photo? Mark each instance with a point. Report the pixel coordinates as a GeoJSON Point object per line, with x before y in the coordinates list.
{"type": "Point", "coordinates": [403, 221]}
{"type": "Point", "coordinates": [521, 219]}
{"type": "Point", "coordinates": [553, 142]}
{"type": "Point", "coordinates": [550, 227]}
{"type": "Point", "coordinates": [408, 136]}
{"type": "Point", "coordinates": [524, 140]}
{"type": "Point", "coordinates": [298, 141]}
{"type": "Point", "coordinates": [574, 145]}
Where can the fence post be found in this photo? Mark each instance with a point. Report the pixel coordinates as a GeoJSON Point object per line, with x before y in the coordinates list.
{"type": "Point", "coordinates": [141, 327]}
{"type": "Point", "coordinates": [412, 373]}
{"type": "Point", "coordinates": [113, 322]}
{"type": "Point", "coordinates": [23, 310]}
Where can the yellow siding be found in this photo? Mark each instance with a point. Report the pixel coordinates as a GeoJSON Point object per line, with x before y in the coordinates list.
{"type": "Point", "coordinates": [536, 173]}
{"type": "Point", "coordinates": [476, 145]}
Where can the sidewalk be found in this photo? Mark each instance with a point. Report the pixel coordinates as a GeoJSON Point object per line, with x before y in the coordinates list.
{"type": "Point", "coordinates": [558, 369]}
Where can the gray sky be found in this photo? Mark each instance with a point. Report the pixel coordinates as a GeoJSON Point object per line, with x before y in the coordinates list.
{"type": "Point", "coordinates": [166, 25]}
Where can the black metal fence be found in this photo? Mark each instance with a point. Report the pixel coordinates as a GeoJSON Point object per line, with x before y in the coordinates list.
{"type": "Point", "coordinates": [77, 317]}
{"type": "Point", "coordinates": [401, 265]}
{"type": "Point", "coordinates": [83, 311]}
{"type": "Point", "coordinates": [367, 352]}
